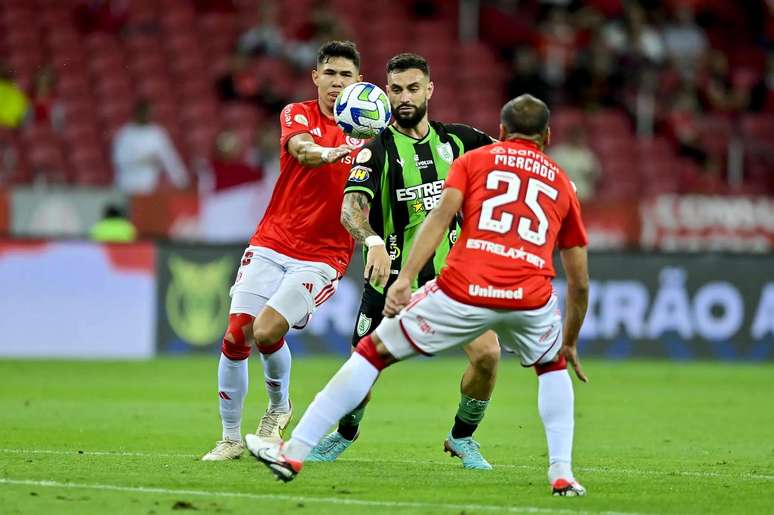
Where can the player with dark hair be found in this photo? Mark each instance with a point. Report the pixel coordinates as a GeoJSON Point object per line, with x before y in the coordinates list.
{"type": "Point", "coordinates": [517, 205]}
{"type": "Point", "coordinates": [395, 182]}
{"type": "Point", "coordinates": [297, 255]}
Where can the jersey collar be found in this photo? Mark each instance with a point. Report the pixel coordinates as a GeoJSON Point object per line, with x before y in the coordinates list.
{"type": "Point", "coordinates": [417, 140]}
{"type": "Point", "coordinates": [524, 142]}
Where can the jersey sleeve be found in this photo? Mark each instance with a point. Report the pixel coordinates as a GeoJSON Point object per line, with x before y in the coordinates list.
{"type": "Point", "coordinates": [366, 172]}
{"type": "Point", "coordinates": [471, 138]}
{"type": "Point", "coordinates": [458, 175]}
{"type": "Point", "coordinates": [572, 232]}
{"type": "Point", "coordinates": [293, 120]}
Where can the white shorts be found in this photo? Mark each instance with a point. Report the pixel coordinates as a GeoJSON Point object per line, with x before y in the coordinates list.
{"type": "Point", "coordinates": [292, 287]}
{"type": "Point", "coordinates": [433, 322]}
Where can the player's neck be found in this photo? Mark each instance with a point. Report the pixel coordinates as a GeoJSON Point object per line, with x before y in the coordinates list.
{"type": "Point", "coordinates": [325, 110]}
{"type": "Point", "coordinates": [419, 131]}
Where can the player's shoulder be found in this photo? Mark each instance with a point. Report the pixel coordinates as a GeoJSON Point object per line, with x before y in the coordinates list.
{"type": "Point", "coordinates": [377, 145]}
{"type": "Point", "coordinates": [462, 131]}
{"type": "Point", "coordinates": [299, 112]}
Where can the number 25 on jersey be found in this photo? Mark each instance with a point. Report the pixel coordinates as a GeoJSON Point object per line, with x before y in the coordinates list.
{"type": "Point", "coordinates": [487, 220]}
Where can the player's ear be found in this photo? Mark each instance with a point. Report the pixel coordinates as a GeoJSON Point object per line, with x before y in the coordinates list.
{"type": "Point", "coordinates": [315, 76]}
{"type": "Point", "coordinates": [430, 88]}
{"type": "Point", "coordinates": [501, 136]}
{"type": "Point", "coordinates": [360, 77]}
{"type": "Point", "coordinates": [547, 139]}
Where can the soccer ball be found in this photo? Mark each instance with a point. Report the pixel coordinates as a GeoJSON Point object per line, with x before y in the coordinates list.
{"type": "Point", "coordinates": [362, 110]}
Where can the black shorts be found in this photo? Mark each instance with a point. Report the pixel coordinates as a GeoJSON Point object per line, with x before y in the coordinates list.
{"type": "Point", "coordinates": [369, 315]}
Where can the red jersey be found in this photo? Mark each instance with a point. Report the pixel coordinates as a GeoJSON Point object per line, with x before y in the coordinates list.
{"type": "Point", "coordinates": [303, 217]}
{"type": "Point", "coordinates": [517, 206]}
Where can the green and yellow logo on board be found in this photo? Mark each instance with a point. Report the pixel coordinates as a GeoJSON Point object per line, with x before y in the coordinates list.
{"type": "Point", "coordinates": [197, 299]}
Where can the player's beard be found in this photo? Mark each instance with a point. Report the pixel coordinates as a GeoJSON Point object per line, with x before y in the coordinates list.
{"type": "Point", "coordinates": [412, 120]}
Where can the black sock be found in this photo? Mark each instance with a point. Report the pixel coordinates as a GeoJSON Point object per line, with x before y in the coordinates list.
{"type": "Point", "coordinates": [348, 432]}
{"type": "Point", "coordinates": [462, 429]}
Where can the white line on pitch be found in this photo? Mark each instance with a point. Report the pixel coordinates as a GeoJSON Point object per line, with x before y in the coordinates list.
{"type": "Point", "coordinates": [298, 498]}
{"type": "Point", "coordinates": [601, 470]}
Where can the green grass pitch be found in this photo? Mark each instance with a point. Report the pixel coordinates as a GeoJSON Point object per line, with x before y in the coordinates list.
{"type": "Point", "coordinates": [651, 437]}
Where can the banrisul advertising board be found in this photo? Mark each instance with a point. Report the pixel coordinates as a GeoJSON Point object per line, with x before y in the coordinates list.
{"type": "Point", "coordinates": [716, 306]}
{"type": "Point", "coordinates": [193, 298]}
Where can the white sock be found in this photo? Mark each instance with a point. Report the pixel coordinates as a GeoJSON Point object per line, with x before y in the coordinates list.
{"type": "Point", "coordinates": [232, 388]}
{"type": "Point", "coordinates": [276, 374]}
{"type": "Point", "coordinates": [556, 406]}
{"type": "Point", "coordinates": [341, 395]}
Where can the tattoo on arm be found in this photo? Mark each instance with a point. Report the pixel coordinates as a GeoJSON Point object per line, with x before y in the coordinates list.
{"type": "Point", "coordinates": [353, 216]}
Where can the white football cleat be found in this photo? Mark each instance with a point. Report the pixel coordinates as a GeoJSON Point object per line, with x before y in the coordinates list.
{"type": "Point", "coordinates": [225, 450]}
{"type": "Point", "coordinates": [270, 454]}
{"type": "Point", "coordinates": [273, 424]}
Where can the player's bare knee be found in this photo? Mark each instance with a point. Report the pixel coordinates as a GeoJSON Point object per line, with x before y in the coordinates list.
{"type": "Point", "coordinates": [486, 360]}
{"type": "Point", "coordinates": [268, 330]}
{"type": "Point", "coordinates": [484, 354]}
{"type": "Point", "coordinates": [236, 342]}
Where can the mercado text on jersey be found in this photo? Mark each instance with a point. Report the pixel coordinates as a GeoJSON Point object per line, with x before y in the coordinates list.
{"type": "Point", "coordinates": [403, 177]}
{"type": "Point", "coordinates": [517, 205]}
{"type": "Point", "coordinates": [302, 220]}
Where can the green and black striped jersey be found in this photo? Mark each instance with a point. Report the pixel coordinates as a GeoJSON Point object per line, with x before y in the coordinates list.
{"type": "Point", "coordinates": [403, 177]}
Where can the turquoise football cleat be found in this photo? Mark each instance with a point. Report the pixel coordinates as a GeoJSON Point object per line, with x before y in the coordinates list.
{"type": "Point", "coordinates": [330, 448]}
{"type": "Point", "coordinates": [468, 450]}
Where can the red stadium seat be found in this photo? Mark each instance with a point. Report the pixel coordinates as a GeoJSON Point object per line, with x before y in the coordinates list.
{"type": "Point", "coordinates": [90, 167]}
{"type": "Point", "coordinates": [758, 126]}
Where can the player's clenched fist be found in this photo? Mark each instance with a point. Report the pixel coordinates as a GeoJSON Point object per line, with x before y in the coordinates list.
{"type": "Point", "coordinates": [398, 297]}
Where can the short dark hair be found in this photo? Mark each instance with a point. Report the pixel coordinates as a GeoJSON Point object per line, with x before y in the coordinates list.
{"type": "Point", "coordinates": [525, 115]}
{"type": "Point", "coordinates": [345, 49]}
{"type": "Point", "coordinates": [406, 61]}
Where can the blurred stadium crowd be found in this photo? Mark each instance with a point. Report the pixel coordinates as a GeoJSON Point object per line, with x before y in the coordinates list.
{"type": "Point", "coordinates": [149, 97]}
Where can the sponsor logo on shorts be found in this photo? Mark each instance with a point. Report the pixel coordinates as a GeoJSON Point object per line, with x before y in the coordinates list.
{"type": "Point", "coordinates": [494, 293]}
{"type": "Point", "coordinates": [359, 174]}
{"type": "Point", "coordinates": [308, 286]}
{"type": "Point", "coordinates": [424, 325]}
{"type": "Point", "coordinates": [363, 324]}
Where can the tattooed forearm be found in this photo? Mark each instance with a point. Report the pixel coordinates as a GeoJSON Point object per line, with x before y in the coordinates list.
{"type": "Point", "coordinates": [353, 216]}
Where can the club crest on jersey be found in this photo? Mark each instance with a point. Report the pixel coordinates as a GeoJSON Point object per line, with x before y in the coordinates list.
{"type": "Point", "coordinates": [445, 151]}
{"type": "Point", "coordinates": [359, 174]}
{"type": "Point", "coordinates": [363, 324]}
{"type": "Point", "coordinates": [354, 141]}
{"type": "Point", "coordinates": [300, 118]}
{"type": "Point", "coordinates": [363, 156]}
{"type": "Point", "coordinates": [453, 236]}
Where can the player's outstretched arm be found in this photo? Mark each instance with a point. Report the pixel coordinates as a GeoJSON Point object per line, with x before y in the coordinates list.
{"type": "Point", "coordinates": [308, 153]}
{"type": "Point", "coordinates": [354, 218]}
{"type": "Point", "coordinates": [426, 241]}
{"type": "Point", "coordinates": [575, 263]}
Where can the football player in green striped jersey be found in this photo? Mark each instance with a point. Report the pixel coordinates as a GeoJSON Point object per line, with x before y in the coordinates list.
{"type": "Point", "coordinates": [395, 181]}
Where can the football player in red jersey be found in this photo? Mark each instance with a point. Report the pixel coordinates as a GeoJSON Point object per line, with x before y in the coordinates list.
{"type": "Point", "coordinates": [296, 256]}
{"type": "Point", "coordinates": [517, 205]}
